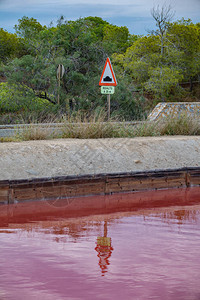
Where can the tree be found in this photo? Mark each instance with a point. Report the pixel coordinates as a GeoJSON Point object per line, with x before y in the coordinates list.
{"type": "Point", "coordinates": [97, 25]}
{"type": "Point", "coordinates": [74, 44]}
{"type": "Point", "coordinates": [37, 68]}
{"type": "Point", "coordinates": [28, 28]}
{"type": "Point", "coordinates": [184, 37]}
{"type": "Point", "coordinates": [162, 15]}
{"type": "Point", "coordinates": [160, 61]}
{"type": "Point", "coordinates": [143, 55]}
{"type": "Point", "coordinates": [15, 98]}
{"type": "Point", "coordinates": [10, 46]}
{"type": "Point", "coordinates": [115, 39]}
{"type": "Point", "coordinates": [161, 80]}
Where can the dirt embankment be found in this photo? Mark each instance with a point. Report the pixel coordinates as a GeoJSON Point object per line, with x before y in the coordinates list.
{"type": "Point", "coordinates": [51, 158]}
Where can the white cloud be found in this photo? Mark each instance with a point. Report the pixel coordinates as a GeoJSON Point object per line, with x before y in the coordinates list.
{"type": "Point", "coordinates": [67, 2]}
{"type": "Point", "coordinates": [135, 14]}
{"type": "Point", "coordinates": [126, 7]}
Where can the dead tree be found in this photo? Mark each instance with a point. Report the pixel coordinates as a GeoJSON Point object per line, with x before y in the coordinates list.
{"type": "Point", "coordinates": [162, 15]}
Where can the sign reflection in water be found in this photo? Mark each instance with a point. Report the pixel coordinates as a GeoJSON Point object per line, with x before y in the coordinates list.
{"type": "Point", "coordinates": [104, 249]}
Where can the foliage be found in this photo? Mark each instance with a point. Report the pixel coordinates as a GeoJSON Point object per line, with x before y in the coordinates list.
{"type": "Point", "coordinates": [115, 39]}
{"type": "Point", "coordinates": [20, 98]}
{"type": "Point", "coordinates": [158, 67]}
{"type": "Point", "coordinates": [161, 80]}
{"type": "Point", "coordinates": [185, 37]}
{"type": "Point", "coordinates": [10, 46]}
{"type": "Point", "coordinates": [154, 65]}
{"type": "Point", "coordinates": [28, 28]}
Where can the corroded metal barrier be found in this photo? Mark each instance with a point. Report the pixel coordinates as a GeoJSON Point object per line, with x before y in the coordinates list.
{"type": "Point", "coordinates": [66, 187]}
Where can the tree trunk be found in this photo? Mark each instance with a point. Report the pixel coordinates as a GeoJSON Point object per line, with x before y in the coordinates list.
{"type": "Point", "coordinates": [191, 84]}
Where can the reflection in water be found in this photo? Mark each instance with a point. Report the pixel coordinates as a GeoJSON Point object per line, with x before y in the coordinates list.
{"type": "Point", "coordinates": [104, 250]}
{"type": "Point", "coordinates": [24, 212]}
{"type": "Point", "coordinates": [181, 215]}
{"type": "Point", "coordinates": [151, 253]}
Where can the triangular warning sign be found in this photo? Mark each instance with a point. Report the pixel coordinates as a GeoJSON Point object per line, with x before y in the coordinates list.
{"type": "Point", "coordinates": [108, 75]}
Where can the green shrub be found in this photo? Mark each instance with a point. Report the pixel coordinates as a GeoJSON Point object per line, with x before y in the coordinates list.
{"type": "Point", "coordinates": [15, 98]}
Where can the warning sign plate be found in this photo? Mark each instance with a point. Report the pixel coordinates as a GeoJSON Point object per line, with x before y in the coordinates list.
{"type": "Point", "coordinates": [107, 90]}
{"type": "Point", "coordinates": [108, 76]}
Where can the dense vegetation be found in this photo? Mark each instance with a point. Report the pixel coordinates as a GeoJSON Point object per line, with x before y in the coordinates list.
{"type": "Point", "coordinates": [149, 68]}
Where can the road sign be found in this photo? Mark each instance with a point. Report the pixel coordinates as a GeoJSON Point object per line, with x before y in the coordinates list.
{"type": "Point", "coordinates": [60, 71]}
{"type": "Point", "coordinates": [107, 89]}
{"type": "Point", "coordinates": [108, 77]}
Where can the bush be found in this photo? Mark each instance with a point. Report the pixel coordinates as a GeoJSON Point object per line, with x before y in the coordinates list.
{"type": "Point", "coordinates": [15, 98]}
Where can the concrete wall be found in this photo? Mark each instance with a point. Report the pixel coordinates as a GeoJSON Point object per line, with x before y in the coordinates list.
{"type": "Point", "coordinates": [163, 110]}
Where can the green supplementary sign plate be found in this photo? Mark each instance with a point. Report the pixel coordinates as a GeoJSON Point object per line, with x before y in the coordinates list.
{"type": "Point", "coordinates": [107, 89]}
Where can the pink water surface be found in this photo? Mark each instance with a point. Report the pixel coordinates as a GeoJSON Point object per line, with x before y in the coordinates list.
{"type": "Point", "coordinates": [144, 254]}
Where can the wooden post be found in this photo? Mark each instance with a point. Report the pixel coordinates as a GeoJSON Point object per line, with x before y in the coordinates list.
{"type": "Point", "coordinates": [108, 101]}
{"type": "Point", "coordinates": [60, 74]}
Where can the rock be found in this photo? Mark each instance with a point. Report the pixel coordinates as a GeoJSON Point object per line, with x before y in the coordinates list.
{"type": "Point", "coordinates": [137, 161]}
{"type": "Point", "coordinates": [32, 172]}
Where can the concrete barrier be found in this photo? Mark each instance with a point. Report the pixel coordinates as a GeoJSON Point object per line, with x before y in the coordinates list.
{"type": "Point", "coordinates": [163, 110]}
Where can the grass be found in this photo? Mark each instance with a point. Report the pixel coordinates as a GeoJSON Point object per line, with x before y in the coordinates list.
{"type": "Point", "coordinates": [182, 125]}
{"type": "Point", "coordinates": [34, 133]}
{"type": "Point", "coordinates": [95, 126]}
{"type": "Point", "coordinates": [26, 117]}
{"type": "Point", "coordinates": [90, 127]}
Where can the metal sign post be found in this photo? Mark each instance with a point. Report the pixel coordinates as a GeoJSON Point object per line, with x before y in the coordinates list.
{"type": "Point", "coordinates": [108, 101]}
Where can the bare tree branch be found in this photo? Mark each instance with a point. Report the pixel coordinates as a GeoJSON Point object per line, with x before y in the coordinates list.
{"type": "Point", "coordinates": [162, 15]}
{"type": "Point", "coordinates": [44, 96]}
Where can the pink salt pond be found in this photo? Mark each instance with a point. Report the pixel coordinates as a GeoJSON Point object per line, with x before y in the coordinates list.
{"type": "Point", "coordinates": [125, 249]}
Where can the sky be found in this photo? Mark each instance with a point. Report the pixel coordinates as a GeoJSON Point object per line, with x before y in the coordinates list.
{"type": "Point", "coordinates": [134, 14]}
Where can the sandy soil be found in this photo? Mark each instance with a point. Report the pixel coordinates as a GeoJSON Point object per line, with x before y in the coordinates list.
{"type": "Point", "coordinates": [34, 159]}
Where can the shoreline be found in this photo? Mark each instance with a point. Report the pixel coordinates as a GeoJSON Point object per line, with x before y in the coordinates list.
{"type": "Point", "coordinates": [76, 157]}
{"type": "Point", "coordinates": [62, 169]}
{"type": "Point", "coordinates": [64, 188]}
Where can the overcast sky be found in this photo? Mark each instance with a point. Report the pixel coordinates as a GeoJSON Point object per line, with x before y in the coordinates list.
{"type": "Point", "coordinates": [135, 14]}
